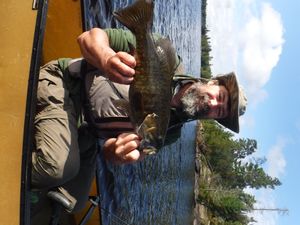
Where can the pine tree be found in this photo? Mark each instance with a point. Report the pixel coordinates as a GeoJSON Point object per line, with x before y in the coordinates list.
{"type": "Point", "coordinates": [232, 171]}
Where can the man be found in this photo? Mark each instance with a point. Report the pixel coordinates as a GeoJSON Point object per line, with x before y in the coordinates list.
{"type": "Point", "coordinates": [216, 99]}
{"type": "Point", "coordinates": [64, 156]}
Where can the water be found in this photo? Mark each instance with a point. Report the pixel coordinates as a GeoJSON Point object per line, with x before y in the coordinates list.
{"type": "Point", "coordinates": [159, 190]}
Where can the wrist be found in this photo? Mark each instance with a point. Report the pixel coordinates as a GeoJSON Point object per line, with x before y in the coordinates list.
{"type": "Point", "coordinates": [107, 53]}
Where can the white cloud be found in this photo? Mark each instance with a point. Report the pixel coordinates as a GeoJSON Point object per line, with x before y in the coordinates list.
{"type": "Point", "coordinates": [220, 22]}
{"type": "Point", "coordinates": [266, 199]}
{"type": "Point", "coordinates": [276, 160]}
{"type": "Point", "coordinates": [246, 37]}
{"type": "Point", "coordinates": [261, 45]}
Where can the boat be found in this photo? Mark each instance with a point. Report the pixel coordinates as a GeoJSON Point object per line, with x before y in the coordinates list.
{"type": "Point", "coordinates": [32, 33]}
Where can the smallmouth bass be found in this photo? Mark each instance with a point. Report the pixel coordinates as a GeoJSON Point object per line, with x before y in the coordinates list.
{"type": "Point", "coordinates": [150, 92]}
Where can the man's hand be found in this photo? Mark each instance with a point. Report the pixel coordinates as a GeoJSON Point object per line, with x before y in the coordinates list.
{"type": "Point", "coordinates": [94, 46]}
{"type": "Point", "coordinates": [120, 67]}
{"type": "Point", "coordinates": [123, 149]}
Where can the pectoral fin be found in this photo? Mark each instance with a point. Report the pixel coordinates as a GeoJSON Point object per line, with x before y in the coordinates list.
{"type": "Point", "coordinates": [147, 131]}
{"type": "Point", "coordinates": [148, 126]}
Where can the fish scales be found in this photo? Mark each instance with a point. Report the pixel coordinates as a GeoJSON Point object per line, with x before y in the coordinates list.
{"type": "Point", "coordinates": [150, 92]}
{"type": "Point", "coordinates": [150, 71]}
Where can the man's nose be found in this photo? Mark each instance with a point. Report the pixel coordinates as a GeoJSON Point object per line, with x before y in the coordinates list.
{"type": "Point", "coordinates": [213, 102]}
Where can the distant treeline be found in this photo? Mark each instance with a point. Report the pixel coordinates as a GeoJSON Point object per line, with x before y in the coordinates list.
{"type": "Point", "coordinates": [205, 45]}
{"type": "Point", "coordinates": [226, 164]}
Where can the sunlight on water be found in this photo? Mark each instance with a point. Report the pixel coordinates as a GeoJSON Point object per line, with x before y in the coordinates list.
{"type": "Point", "coordinates": [159, 190]}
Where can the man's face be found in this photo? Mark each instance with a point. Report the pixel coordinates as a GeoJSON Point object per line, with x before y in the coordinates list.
{"type": "Point", "coordinates": [206, 101]}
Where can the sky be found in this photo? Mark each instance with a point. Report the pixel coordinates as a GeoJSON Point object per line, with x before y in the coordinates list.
{"type": "Point", "coordinates": [259, 41]}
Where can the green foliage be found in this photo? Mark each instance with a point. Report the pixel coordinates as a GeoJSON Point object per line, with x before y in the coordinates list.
{"type": "Point", "coordinates": [227, 207]}
{"type": "Point", "coordinates": [252, 175]}
{"type": "Point", "coordinates": [232, 171]}
{"type": "Point", "coordinates": [205, 46]}
{"type": "Point", "coordinates": [246, 147]}
{"type": "Point", "coordinates": [205, 58]}
{"type": "Point", "coordinates": [226, 156]}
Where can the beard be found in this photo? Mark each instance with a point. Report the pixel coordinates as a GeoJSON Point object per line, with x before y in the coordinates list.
{"type": "Point", "coordinates": [195, 101]}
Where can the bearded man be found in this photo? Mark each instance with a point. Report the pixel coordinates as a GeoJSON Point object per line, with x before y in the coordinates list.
{"type": "Point", "coordinates": [64, 155]}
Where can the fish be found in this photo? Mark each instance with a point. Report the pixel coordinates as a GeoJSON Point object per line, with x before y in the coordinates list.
{"type": "Point", "coordinates": [150, 92]}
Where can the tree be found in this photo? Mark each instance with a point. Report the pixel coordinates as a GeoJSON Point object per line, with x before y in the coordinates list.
{"type": "Point", "coordinates": [226, 154]}
{"type": "Point", "coordinates": [227, 206]}
{"type": "Point", "coordinates": [252, 175]}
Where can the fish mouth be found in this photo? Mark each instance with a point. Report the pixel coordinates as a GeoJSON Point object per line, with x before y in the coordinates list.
{"type": "Point", "coordinates": [150, 150]}
{"type": "Point", "coordinates": [147, 148]}
{"type": "Point", "coordinates": [150, 147]}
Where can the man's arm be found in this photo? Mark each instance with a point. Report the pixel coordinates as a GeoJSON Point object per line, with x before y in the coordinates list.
{"type": "Point", "coordinates": [107, 52]}
{"type": "Point", "coordinates": [95, 48]}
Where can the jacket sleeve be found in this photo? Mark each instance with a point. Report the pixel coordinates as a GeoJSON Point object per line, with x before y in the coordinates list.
{"type": "Point", "coordinates": [119, 39]}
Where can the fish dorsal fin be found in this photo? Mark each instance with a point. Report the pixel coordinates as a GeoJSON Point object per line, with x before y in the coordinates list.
{"type": "Point", "coordinates": [139, 15]}
{"type": "Point", "coordinates": [166, 54]}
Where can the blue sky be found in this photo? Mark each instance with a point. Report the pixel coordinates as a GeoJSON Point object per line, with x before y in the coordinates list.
{"type": "Point", "coordinates": [259, 40]}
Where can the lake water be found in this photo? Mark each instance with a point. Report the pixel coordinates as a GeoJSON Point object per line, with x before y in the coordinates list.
{"type": "Point", "coordinates": [159, 190]}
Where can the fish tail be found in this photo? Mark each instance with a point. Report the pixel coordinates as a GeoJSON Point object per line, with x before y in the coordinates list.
{"type": "Point", "coordinates": [136, 16]}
